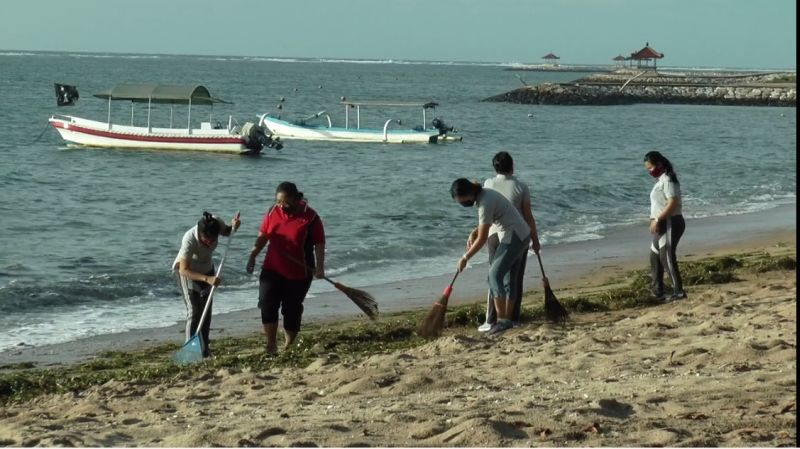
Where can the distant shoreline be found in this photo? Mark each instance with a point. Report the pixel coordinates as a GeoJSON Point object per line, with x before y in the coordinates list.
{"type": "Point", "coordinates": [510, 66]}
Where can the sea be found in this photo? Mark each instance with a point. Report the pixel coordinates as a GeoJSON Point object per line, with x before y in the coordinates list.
{"type": "Point", "coordinates": [89, 235]}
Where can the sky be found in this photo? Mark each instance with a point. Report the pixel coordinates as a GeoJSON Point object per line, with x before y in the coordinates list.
{"type": "Point", "coordinates": [690, 33]}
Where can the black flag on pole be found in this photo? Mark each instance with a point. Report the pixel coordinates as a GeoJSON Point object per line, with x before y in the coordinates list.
{"type": "Point", "coordinates": [66, 95]}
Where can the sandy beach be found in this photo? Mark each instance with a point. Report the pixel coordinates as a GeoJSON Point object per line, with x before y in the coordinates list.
{"type": "Point", "coordinates": [717, 369]}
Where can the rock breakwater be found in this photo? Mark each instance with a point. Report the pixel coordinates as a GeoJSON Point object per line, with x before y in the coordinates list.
{"type": "Point", "coordinates": [626, 88]}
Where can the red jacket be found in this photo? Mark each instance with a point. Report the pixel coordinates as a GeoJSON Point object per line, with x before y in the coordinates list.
{"type": "Point", "coordinates": [291, 235]}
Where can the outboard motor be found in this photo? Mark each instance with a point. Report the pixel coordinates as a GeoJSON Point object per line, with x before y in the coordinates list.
{"type": "Point", "coordinates": [256, 138]}
{"type": "Point", "coordinates": [442, 126]}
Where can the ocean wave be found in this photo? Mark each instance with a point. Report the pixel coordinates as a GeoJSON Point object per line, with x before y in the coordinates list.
{"type": "Point", "coordinates": [81, 322]}
{"type": "Point", "coordinates": [273, 59]}
{"type": "Point", "coordinates": [16, 53]}
{"type": "Point", "coordinates": [744, 207]}
{"type": "Point", "coordinates": [35, 295]}
{"type": "Point", "coordinates": [114, 56]}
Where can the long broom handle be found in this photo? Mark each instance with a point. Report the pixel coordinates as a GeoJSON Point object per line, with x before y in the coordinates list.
{"type": "Point", "coordinates": [305, 265]}
{"type": "Point", "coordinates": [544, 277]}
{"type": "Point", "coordinates": [219, 270]}
{"type": "Point", "coordinates": [449, 289]}
{"type": "Point", "coordinates": [540, 264]}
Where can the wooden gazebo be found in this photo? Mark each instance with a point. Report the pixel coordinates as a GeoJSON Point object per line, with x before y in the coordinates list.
{"type": "Point", "coordinates": [646, 54]}
{"type": "Point", "coordinates": [551, 58]}
{"type": "Point", "coordinates": [619, 60]}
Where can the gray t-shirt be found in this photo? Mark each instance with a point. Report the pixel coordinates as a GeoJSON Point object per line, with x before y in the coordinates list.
{"type": "Point", "coordinates": [510, 187]}
{"type": "Point", "coordinates": [496, 209]}
{"type": "Point", "coordinates": [198, 254]}
{"type": "Point", "coordinates": [664, 189]}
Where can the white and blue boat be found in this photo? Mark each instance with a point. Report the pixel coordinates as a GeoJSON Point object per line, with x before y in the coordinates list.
{"type": "Point", "coordinates": [305, 129]}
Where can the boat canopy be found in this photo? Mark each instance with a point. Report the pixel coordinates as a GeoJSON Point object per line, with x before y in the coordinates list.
{"type": "Point", "coordinates": [426, 105]}
{"type": "Point", "coordinates": [160, 93]}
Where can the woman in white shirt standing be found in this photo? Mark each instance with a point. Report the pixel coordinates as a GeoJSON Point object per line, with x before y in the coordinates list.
{"type": "Point", "coordinates": [666, 224]}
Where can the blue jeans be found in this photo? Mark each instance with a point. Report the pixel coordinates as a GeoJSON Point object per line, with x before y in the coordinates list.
{"type": "Point", "coordinates": [505, 258]}
{"type": "Point", "coordinates": [517, 277]}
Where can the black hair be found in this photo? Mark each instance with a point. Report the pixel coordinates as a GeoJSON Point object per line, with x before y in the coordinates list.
{"type": "Point", "coordinates": [656, 158]}
{"type": "Point", "coordinates": [208, 226]}
{"type": "Point", "coordinates": [290, 189]}
{"type": "Point", "coordinates": [503, 162]}
{"type": "Point", "coordinates": [463, 186]}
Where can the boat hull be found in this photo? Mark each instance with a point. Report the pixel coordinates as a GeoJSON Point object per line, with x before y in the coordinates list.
{"type": "Point", "coordinates": [286, 130]}
{"type": "Point", "coordinates": [92, 133]}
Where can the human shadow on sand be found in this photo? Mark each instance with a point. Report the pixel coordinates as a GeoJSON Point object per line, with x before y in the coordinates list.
{"type": "Point", "coordinates": [614, 409]}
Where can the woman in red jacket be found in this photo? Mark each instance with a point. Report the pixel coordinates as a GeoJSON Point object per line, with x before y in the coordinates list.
{"type": "Point", "coordinates": [295, 255]}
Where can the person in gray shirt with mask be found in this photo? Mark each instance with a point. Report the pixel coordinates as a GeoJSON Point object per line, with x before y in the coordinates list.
{"type": "Point", "coordinates": [514, 238]}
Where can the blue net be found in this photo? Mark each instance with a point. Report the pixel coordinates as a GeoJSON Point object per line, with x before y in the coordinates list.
{"type": "Point", "coordinates": [191, 352]}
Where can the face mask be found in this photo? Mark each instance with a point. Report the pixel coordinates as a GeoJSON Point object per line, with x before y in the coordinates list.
{"type": "Point", "coordinates": [467, 203]}
{"type": "Point", "coordinates": [207, 241]}
{"type": "Point", "coordinates": [286, 207]}
{"type": "Point", "coordinates": [656, 172]}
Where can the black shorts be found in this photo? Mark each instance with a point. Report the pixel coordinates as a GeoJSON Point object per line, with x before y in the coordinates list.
{"type": "Point", "coordinates": [276, 292]}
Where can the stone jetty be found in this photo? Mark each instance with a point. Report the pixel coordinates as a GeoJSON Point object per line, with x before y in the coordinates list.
{"type": "Point", "coordinates": [630, 86]}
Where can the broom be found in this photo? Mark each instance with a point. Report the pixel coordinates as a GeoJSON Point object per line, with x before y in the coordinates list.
{"type": "Point", "coordinates": [553, 310]}
{"type": "Point", "coordinates": [433, 324]}
{"type": "Point", "coordinates": [362, 299]}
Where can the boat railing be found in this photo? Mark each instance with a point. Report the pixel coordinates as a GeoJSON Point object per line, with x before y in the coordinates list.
{"type": "Point", "coordinates": [386, 128]}
{"type": "Point", "coordinates": [233, 126]}
{"type": "Point", "coordinates": [305, 120]}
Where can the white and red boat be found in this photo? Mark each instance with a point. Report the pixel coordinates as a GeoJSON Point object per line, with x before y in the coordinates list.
{"type": "Point", "coordinates": [247, 139]}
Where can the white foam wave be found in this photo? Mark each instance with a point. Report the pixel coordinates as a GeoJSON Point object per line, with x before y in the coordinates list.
{"type": "Point", "coordinates": [16, 53]}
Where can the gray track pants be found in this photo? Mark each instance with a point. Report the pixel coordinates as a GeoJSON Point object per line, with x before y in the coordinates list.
{"type": "Point", "coordinates": [663, 256]}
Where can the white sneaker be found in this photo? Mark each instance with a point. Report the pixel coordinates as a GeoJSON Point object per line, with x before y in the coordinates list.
{"type": "Point", "coordinates": [484, 327]}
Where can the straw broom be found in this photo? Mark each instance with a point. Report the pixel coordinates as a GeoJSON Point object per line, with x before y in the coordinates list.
{"type": "Point", "coordinates": [433, 324]}
{"type": "Point", "coordinates": [553, 310]}
{"type": "Point", "coordinates": [362, 299]}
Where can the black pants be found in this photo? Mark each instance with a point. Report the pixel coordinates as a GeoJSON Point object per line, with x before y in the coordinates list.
{"type": "Point", "coordinates": [195, 294]}
{"type": "Point", "coordinates": [663, 255]}
{"type": "Point", "coordinates": [275, 293]}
